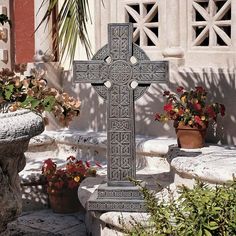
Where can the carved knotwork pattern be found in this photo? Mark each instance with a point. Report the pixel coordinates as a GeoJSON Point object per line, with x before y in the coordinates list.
{"type": "Point", "coordinates": [138, 53]}
{"type": "Point", "coordinates": [114, 205]}
{"type": "Point", "coordinates": [121, 154]}
{"type": "Point", "coordinates": [120, 125]}
{"type": "Point", "coordinates": [94, 71]}
{"type": "Point", "coordinates": [101, 90]}
{"type": "Point", "coordinates": [119, 194]}
{"type": "Point", "coordinates": [120, 101]}
{"type": "Point", "coordinates": [144, 16]}
{"type": "Point", "coordinates": [211, 23]}
{"type": "Point", "coordinates": [148, 72]}
{"type": "Point", "coordinates": [120, 72]}
{"type": "Point", "coordinates": [102, 53]}
{"type": "Point", "coordinates": [120, 41]}
{"type": "Point", "coordinates": [121, 168]}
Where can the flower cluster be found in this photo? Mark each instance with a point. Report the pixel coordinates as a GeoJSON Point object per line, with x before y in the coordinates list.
{"type": "Point", "coordinates": [69, 176]}
{"type": "Point", "coordinates": [32, 92]}
{"type": "Point", "coordinates": [190, 108]}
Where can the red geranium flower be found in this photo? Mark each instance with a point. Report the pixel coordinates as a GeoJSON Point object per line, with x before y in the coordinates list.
{"type": "Point", "coordinates": [87, 164]}
{"type": "Point", "coordinates": [97, 164]}
{"type": "Point", "coordinates": [190, 104]}
{"type": "Point", "coordinates": [211, 112]}
{"type": "Point", "coordinates": [69, 176]}
{"type": "Point", "coordinates": [197, 106]}
{"type": "Point", "coordinates": [166, 93]}
{"type": "Point", "coordinates": [200, 89]}
{"type": "Point", "coordinates": [168, 107]}
{"type": "Point", "coordinates": [180, 89]}
{"type": "Point", "coordinates": [72, 184]}
{"type": "Point", "coordinates": [181, 112]}
{"type": "Point", "coordinates": [222, 109]}
{"type": "Point", "coordinates": [198, 120]}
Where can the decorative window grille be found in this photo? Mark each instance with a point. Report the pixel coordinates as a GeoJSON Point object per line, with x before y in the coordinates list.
{"type": "Point", "coordinates": [144, 15]}
{"type": "Point", "coordinates": [211, 23]}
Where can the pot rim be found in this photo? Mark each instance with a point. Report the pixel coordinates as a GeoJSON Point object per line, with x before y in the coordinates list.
{"type": "Point", "coordinates": [187, 127]}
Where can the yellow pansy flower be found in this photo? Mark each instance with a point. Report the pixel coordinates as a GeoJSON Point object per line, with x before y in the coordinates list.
{"type": "Point", "coordinates": [183, 99]}
{"type": "Point", "coordinates": [77, 179]}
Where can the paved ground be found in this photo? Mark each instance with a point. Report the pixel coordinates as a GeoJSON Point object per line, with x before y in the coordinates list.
{"type": "Point", "coordinates": [45, 222]}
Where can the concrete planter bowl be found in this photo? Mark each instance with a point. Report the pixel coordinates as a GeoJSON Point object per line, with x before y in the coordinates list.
{"type": "Point", "coordinates": [16, 129]}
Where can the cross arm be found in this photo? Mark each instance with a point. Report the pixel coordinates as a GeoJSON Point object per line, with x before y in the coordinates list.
{"type": "Point", "coordinates": [95, 72]}
{"type": "Point", "coordinates": [147, 72]}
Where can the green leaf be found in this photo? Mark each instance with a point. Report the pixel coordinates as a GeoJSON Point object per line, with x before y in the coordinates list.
{"type": "Point", "coordinates": [48, 103]}
{"type": "Point", "coordinates": [35, 103]}
{"type": "Point", "coordinates": [199, 232]}
{"type": "Point", "coordinates": [9, 91]}
{"type": "Point", "coordinates": [71, 23]}
{"type": "Point", "coordinates": [207, 233]}
{"type": "Point", "coordinates": [27, 101]}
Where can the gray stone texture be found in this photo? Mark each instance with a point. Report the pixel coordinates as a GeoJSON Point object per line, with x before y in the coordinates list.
{"type": "Point", "coordinates": [16, 129]}
{"type": "Point", "coordinates": [47, 223]}
{"type": "Point", "coordinates": [125, 82]}
{"type": "Point", "coordinates": [212, 164]}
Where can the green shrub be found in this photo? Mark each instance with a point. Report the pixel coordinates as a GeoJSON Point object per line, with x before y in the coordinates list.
{"type": "Point", "coordinates": [201, 211]}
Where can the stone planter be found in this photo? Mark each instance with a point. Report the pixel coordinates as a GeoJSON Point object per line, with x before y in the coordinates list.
{"type": "Point", "coordinates": [16, 129]}
{"type": "Point", "coordinates": [190, 137]}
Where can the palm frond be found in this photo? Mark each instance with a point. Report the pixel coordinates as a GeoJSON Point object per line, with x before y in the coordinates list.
{"type": "Point", "coordinates": [70, 26]}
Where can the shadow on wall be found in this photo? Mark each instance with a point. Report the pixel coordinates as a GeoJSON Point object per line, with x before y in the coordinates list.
{"type": "Point", "coordinates": [221, 87]}
{"type": "Point", "coordinates": [93, 108]}
{"type": "Point", "coordinates": [220, 84]}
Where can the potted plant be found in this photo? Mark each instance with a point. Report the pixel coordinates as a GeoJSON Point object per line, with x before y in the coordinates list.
{"type": "Point", "coordinates": [32, 92]}
{"type": "Point", "coordinates": [23, 99]}
{"type": "Point", "coordinates": [63, 183]}
{"type": "Point", "coordinates": [191, 115]}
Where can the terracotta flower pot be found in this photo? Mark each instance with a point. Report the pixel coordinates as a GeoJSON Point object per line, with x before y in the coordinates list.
{"type": "Point", "coordinates": [190, 137]}
{"type": "Point", "coordinates": [64, 201]}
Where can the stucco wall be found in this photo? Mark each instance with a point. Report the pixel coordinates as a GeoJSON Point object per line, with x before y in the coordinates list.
{"type": "Point", "coordinates": [211, 67]}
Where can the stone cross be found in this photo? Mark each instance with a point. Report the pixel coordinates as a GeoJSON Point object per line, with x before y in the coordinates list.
{"type": "Point", "coordinates": [120, 72]}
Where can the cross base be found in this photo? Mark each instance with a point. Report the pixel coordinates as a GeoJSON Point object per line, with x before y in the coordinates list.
{"type": "Point", "coordinates": [113, 198]}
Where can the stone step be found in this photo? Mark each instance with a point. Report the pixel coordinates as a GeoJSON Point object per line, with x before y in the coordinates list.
{"type": "Point", "coordinates": [89, 146]}
{"type": "Point", "coordinates": [214, 164]}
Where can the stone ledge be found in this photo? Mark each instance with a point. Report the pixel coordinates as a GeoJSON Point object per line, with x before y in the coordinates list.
{"type": "Point", "coordinates": [115, 223]}
{"type": "Point", "coordinates": [87, 146]}
{"type": "Point", "coordinates": [213, 164]}
{"type": "Point", "coordinates": [42, 139]}
{"type": "Point", "coordinates": [91, 146]}
{"type": "Point", "coordinates": [182, 161]}
{"type": "Point", "coordinates": [145, 145]}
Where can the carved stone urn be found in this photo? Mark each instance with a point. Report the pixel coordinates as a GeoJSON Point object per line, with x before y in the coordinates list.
{"type": "Point", "coordinates": [16, 129]}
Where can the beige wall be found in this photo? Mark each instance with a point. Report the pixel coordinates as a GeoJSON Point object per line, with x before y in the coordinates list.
{"type": "Point", "coordinates": [212, 67]}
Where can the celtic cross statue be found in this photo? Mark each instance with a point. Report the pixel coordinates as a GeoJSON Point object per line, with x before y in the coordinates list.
{"type": "Point", "coordinates": [120, 72]}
